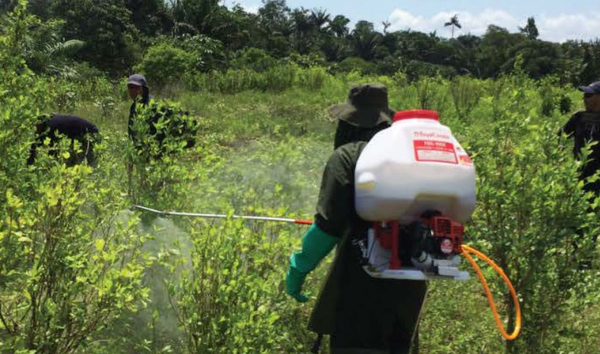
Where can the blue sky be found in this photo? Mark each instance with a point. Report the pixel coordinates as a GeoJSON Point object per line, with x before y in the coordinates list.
{"type": "Point", "coordinates": [556, 20]}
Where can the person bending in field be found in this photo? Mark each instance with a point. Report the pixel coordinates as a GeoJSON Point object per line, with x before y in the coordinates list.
{"type": "Point", "coordinates": [584, 127]}
{"type": "Point", "coordinates": [75, 128]}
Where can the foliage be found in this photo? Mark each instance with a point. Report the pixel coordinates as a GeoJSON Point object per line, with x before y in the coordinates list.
{"type": "Point", "coordinates": [466, 94]}
{"type": "Point", "coordinates": [254, 59]}
{"type": "Point", "coordinates": [164, 62]}
{"type": "Point", "coordinates": [365, 40]}
{"type": "Point", "coordinates": [162, 130]}
{"type": "Point", "coordinates": [106, 31]}
{"type": "Point", "coordinates": [532, 216]}
{"type": "Point", "coordinates": [217, 286]}
{"type": "Point", "coordinates": [357, 64]}
{"type": "Point", "coordinates": [117, 35]}
{"type": "Point", "coordinates": [530, 30]}
{"type": "Point", "coordinates": [308, 61]}
{"type": "Point", "coordinates": [417, 69]}
{"type": "Point", "coordinates": [68, 264]}
{"type": "Point", "coordinates": [228, 298]}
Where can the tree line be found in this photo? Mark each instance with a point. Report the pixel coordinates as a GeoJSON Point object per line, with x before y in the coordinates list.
{"type": "Point", "coordinates": [114, 36]}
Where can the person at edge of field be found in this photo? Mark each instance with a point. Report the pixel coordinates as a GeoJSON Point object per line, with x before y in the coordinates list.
{"type": "Point", "coordinates": [583, 127]}
{"type": "Point", "coordinates": [137, 88]}
{"type": "Point", "coordinates": [139, 92]}
{"type": "Point", "coordinates": [362, 314]}
{"type": "Point", "coordinates": [72, 127]}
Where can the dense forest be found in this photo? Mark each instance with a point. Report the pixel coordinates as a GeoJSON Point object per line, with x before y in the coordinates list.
{"type": "Point", "coordinates": [179, 38]}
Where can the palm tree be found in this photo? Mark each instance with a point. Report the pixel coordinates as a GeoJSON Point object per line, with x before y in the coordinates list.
{"type": "Point", "coordinates": [386, 25]}
{"type": "Point", "coordinates": [453, 23]}
{"type": "Point", "coordinates": [320, 18]}
{"type": "Point", "coordinates": [339, 26]}
{"type": "Point", "coordinates": [365, 40]}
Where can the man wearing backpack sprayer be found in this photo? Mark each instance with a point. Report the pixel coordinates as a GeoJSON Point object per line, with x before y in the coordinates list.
{"type": "Point", "coordinates": [362, 314]}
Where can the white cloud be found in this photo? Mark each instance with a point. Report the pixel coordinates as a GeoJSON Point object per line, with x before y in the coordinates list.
{"type": "Point", "coordinates": [552, 28]}
{"type": "Point", "coordinates": [250, 8]}
{"type": "Point", "coordinates": [563, 27]}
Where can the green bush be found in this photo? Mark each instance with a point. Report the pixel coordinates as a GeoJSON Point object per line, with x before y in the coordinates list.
{"type": "Point", "coordinates": [253, 59]}
{"type": "Point", "coordinates": [307, 61]}
{"type": "Point", "coordinates": [390, 65]}
{"type": "Point", "coordinates": [165, 63]}
{"type": "Point", "coordinates": [163, 131]}
{"type": "Point", "coordinates": [417, 69]}
{"type": "Point", "coordinates": [69, 263]}
{"type": "Point", "coordinates": [229, 296]}
{"type": "Point", "coordinates": [357, 64]}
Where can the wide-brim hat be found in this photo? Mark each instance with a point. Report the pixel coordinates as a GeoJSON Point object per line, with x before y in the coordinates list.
{"type": "Point", "coordinates": [367, 106]}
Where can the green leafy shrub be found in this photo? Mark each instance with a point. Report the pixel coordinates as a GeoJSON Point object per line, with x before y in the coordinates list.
{"type": "Point", "coordinates": [165, 63]}
{"type": "Point", "coordinates": [162, 132]}
{"type": "Point", "coordinates": [208, 52]}
{"type": "Point", "coordinates": [417, 69]}
{"type": "Point", "coordinates": [69, 265]}
{"type": "Point", "coordinates": [466, 93]}
{"type": "Point", "coordinates": [229, 296]}
{"type": "Point", "coordinates": [307, 61]}
{"type": "Point", "coordinates": [313, 78]}
{"type": "Point", "coordinates": [357, 64]}
{"type": "Point", "coordinates": [390, 65]}
{"type": "Point", "coordinates": [532, 217]}
{"type": "Point", "coordinates": [254, 59]}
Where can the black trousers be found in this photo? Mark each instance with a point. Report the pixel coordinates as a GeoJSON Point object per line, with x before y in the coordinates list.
{"type": "Point", "coordinates": [379, 322]}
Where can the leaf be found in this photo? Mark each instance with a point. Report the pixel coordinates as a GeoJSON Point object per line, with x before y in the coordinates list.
{"type": "Point", "coordinates": [25, 239]}
{"type": "Point", "coordinates": [100, 244]}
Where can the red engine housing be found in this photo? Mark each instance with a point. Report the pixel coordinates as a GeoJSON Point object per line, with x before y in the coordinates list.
{"type": "Point", "coordinates": [443, 229]}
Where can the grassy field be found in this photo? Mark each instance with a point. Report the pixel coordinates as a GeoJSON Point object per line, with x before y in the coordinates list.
{"type": "Point", "coordinates": [218, 286]}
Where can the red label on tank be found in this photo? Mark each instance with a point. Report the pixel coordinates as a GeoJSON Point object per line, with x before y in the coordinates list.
{"type": "Point", "coordinates": [434, 151]}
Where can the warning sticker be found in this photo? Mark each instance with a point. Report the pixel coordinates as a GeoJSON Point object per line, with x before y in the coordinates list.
{"type": "Point", "coordinates": [434, 151]}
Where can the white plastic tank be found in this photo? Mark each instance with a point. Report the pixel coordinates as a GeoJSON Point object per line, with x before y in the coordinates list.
{"type": "Point", "coordinates": [414, 166]}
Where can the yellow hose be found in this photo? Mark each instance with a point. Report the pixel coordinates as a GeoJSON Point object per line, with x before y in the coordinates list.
{"type": "Point", "coordinates": [513, 293]}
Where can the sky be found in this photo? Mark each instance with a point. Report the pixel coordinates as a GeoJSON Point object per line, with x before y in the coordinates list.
{"type": "Point", "coordinates": [556, 20]}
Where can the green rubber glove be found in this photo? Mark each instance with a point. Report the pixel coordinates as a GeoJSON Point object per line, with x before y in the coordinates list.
{"type": "Point", "coordinates": [293, 284]}
{"type": "Point", "coordinates": [316, 244]}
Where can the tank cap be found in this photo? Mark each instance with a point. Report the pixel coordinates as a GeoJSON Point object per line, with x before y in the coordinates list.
{"type": "Point", "coordinates": [417, 114]}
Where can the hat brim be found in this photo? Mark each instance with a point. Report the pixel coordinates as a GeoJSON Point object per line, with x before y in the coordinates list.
{"type": "Point", "coordinates": [587, 89]}
{"type": "Point", "coordinates": [364, 117]}
{"type": "Point", "coordinates": [133, 83]}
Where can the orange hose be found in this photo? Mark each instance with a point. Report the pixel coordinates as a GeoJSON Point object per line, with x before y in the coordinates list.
{"type": "Point", "coordinates": [513, 293]}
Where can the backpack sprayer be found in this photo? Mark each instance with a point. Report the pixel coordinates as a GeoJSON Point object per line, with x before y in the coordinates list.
{"type": "Point", "coordinates": [416, 184]}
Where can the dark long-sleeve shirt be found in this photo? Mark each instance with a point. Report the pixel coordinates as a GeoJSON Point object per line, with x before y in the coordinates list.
{"type": "Point", "coordinates": [73, 127]}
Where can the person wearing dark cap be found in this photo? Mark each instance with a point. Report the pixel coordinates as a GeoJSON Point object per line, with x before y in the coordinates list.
{"type": "Point", "coordinates": [71, 127]}
{"type": "Point", "coordinates": [361, 314]}
{"type": "Point", "coordinates": [584, 127]}
{"type": "Point", "coordinates": [139, 92]}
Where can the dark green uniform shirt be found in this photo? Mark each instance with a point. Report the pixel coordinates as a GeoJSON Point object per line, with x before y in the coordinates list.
{"type": "Point", "coordinates": [357, 310]}
{"type": "Point", "coordinates": [584, 127]}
